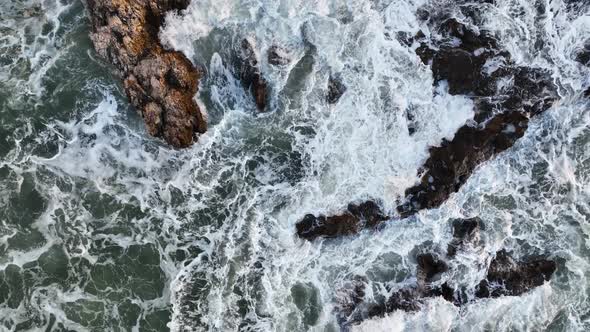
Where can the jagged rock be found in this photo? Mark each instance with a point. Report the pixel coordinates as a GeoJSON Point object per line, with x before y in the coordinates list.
{"type": "Point", "coordinates": [464, 231]}
{"type": "Point", "coordinates": [248, 67]}
{"type": "Point", "coordinates": [367, 214]}
{"type": "Point", "coordinates": [277, 56]}
{"type": "Point", "coordinates": [335, 90]}
{"type": "Point", "coordinates": [502, 112]}
{"type": "Point", "coordinates": [160, 84]}
{"type": "Point", "coordinates": [450, 165]}
{"type": "Point", "coordinates": [507, 277]}
{"type": "Point", "coordinates": [430, 266]}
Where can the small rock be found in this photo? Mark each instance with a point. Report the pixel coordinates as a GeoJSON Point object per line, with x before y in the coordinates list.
{"type": "Point", "coordinates": [278, 56]}
{"type": "Point", "coordinates": [335, 90]}
{"type": "Point", "coordinates": [430, 266]}
{"type": "Point", "coordinates": [464, 231]}
{"type": "Point", "coordinates": [250, 74]}
{"type": "Point", "coordinates": [367, 214]}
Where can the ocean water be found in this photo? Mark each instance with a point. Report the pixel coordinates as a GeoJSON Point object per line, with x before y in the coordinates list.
{"type": "Point", "coordinates": [103, 228]}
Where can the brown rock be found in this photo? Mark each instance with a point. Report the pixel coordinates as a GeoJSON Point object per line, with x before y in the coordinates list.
{"type": "Point", "coordinates": [367, 214]}
{"type": "Point", "coordinates": [464, 231]}
{"type": "Point", "coordinates": [248, 67]}
{"type": "Point", "coordinates": [277, 56]}
{"type": "Point", "coordinates": [159, 83]}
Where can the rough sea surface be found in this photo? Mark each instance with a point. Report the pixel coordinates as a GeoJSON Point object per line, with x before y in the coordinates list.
{"type": "Point", "coordinates": [103, 228]}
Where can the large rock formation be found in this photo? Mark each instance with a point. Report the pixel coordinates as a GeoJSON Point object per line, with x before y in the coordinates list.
{"type": "Point", "coordinates": [505, 96]}
{"type": "Point", "coordinates": [161, 84]}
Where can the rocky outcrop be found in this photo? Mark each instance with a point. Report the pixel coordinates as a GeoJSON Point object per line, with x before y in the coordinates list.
{"type": "Point", "coordinates": [278, 56]}
{"type": "Point", "coordinates": [161, 84]}
{"type": "Point", "coordinates": [476, 67]}
{"type": "Point", "coordinates": [356, 217]}
{"type": "Point", "coordinates": [450, 165]}
{"type": "Point", "coordinates": [249, 72]}
{"type": "Point", "coordinates": [335, 89]}
{"type": "Point", "coordinates": [505, 277]}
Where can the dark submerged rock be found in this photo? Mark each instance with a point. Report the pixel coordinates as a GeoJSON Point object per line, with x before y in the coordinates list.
{"type": "Point", "coordinates": [505, 97]}
{"type": "Point", "coordinates": [160, 83]}
{"type": "Point", "coordinates": [464, 231]}
{"type": "Point", "coordinates": [367, 214]}
{"type": "Point", "coordinates": [248, 67]}
{"type": "Point", "coordinates": [278, 56]}
{"type": "Point", "coordinates": [335, 89]}
{"type": "Point", "coordinates": [430, 266]}
{"type": "Point", "coordinates": [502, 112]}
{"type": "Point", "coordinates": [507, 277]}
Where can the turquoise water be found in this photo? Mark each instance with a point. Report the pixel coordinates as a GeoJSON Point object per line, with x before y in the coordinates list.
{"type": "Point", "coordinates": [103, 228]}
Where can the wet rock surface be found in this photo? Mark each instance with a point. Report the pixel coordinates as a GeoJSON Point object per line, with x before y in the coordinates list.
{"type": "Point", "coordinates": [505, 97]}
{"type": "Point", "coordinates": [161, 84]}
{"type": "Point", "coordinates": [450, 165]}
{"type": "Point", "coordinates": [249, 72]}
{"type": "Point", "coordinates": [505, 277]}
{"type": "Point", "coordinates": [356, 217]}
{"type": "Point", "coordinates": [278, 56]}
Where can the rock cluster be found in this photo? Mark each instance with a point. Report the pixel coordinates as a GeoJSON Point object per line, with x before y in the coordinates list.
{"type": "Point", "coordinates": [505, 96]}
{"type": "Point", "coordinates": [161, 84]}
{"type": "Point", "coordinates": [505, 277]}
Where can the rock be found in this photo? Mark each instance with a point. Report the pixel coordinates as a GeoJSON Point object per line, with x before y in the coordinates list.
{"type": "Point", "coordinates": [430, 266]}
{"type": "Point", "coordinates": [350, 298]}
{"type": "Point", "coordinates": [464, 231]}
{"type": "Point", "coordinates": [312, 227]}
{"type": "Point", "coordinates": [450, 165]}
{"type": "Point", "coordinates": [502, 111]}
{"type": "Point", "coordinates": [248, 67]}
{"type": "Point", "coordinates": [587, 93]}
{"type": "Point", "coordinates": [367, 214]}
{"type": "Point", "coordinates": [277, 56]}
{"type": "Point", "coordinates": [335, 89]}
{"type": "Point", "coordinates": [507, 277]}
{"type": "Point", "coordinates": [583, 55]}
{"type": "Point", "coordinates": [160, 84]}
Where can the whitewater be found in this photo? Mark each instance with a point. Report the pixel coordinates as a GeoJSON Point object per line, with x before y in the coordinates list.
{"type": "Point", "coordinates": [104, 228]}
